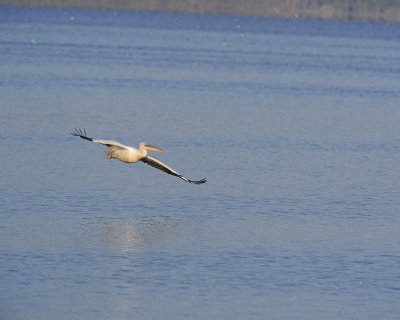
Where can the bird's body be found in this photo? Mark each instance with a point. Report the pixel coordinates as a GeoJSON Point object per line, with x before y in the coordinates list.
{"type": "Point", "coordinates": [123, 153]}
{"type": "Point", "coordinates": [128, 154]}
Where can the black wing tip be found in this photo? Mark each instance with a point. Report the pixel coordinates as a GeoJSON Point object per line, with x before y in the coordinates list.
{"type": "Point", "coordinates": [81, 133]}
{"type": "Point", "coordinates": [204, 180]}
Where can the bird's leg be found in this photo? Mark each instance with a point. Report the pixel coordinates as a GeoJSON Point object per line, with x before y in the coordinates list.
{"type": "Point", "coordinates": [110, 155]}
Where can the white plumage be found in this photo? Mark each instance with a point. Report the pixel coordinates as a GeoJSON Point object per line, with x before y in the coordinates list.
{"type": "Point", "coordinates": [130, 154]}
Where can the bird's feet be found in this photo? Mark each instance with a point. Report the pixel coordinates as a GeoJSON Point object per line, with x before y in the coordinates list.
{"type": "Point", "coordinates": [110, 155]}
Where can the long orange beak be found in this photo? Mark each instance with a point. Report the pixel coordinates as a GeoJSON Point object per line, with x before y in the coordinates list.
{"type": "Point", "coordinates": [152, 148]}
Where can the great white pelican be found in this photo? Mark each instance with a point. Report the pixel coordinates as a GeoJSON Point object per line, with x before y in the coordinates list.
{"type": "Point", "coordinates": [129, 154]}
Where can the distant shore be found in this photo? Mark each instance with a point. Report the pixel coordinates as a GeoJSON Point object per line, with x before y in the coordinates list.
{"type": "Point", "coordinates": [358, 10]}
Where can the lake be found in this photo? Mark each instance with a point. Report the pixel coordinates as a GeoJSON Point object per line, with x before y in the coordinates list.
{"type": "Point", "coordinates": [295, 125]}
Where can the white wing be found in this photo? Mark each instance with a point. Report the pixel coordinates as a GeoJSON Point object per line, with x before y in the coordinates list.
{"type": "Point", "coordinates": [114, 145]}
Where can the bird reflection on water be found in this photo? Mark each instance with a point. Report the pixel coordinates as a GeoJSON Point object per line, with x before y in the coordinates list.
{"type": "Point", "coordinates": [122, 235]}
{"type": "Point", "coordinates": [135, 235]}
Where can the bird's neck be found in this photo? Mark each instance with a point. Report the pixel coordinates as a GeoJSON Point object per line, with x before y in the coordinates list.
{"type": "Point", "coordinates": [142, 150]}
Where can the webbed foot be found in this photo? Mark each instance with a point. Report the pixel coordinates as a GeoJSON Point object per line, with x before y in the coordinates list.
{"type": "Point", "coordinates": [110, 155]}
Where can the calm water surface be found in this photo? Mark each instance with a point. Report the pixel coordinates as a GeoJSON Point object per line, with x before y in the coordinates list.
{"type": "Point", "coordinates": [295, 124]}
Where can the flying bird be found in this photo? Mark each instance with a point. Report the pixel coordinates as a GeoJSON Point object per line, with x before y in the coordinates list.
{"type": "Point", "coordinates": [130, 154]}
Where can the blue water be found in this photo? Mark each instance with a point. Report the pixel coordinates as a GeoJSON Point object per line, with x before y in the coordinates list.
{"type": "Point", "coordinates": [295, 124]}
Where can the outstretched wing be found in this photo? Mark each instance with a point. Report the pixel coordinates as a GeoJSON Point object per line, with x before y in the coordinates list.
{"type": "Point", "coordinates": [81, 133]}
{"type": "Point", "coordinates": [114, 145]}
{"type": "Point", "coordinates": [162, 166]}
{"type": "Point", "coordinates": [109, 143]}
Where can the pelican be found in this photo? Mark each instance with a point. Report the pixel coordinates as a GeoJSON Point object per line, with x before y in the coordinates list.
{"type": "Point", "coordinates": [129, 154]}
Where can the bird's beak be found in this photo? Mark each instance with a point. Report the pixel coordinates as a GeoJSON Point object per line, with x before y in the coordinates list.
{"type": "Point", "coordinates": [153, 148]}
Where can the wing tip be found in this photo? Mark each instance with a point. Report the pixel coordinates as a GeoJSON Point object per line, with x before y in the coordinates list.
{"type": "Point", "coordinates": [81, 133]}
{"type": "Point", "coordinates": [204, 180]}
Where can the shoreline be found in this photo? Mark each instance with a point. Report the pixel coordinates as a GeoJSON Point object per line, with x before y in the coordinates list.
{"type": "Point", "coordinates": [350, 10]}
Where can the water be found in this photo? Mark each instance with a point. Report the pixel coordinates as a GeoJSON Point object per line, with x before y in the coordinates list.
{"type": "Point", "coordinates": [295, 124]}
